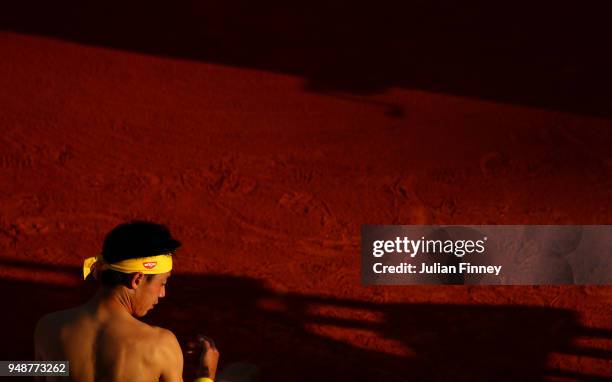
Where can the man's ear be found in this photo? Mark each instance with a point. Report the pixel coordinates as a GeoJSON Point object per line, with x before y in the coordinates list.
{"type": "Point", "coordinates": [136, 279]}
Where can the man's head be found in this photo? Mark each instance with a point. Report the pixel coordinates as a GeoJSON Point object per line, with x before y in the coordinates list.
{"type": "Point", "coordinates": [145, 291]}
{"type": "Point", "coordinates": [136, 240]}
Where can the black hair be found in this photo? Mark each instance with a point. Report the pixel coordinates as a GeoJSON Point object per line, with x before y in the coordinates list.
{"type": "Point", "coordinates": [134, 240]}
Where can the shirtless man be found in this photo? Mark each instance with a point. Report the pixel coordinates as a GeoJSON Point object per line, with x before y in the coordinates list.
{"type": "Point", "coordinates": [103, 340]}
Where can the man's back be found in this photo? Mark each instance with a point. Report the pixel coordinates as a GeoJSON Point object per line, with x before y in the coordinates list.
{"type": "Point", "coordinates": [103, 345]}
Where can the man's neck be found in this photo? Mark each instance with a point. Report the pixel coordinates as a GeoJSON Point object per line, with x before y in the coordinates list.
{"type": "Point", "coordinates": [111, 300]}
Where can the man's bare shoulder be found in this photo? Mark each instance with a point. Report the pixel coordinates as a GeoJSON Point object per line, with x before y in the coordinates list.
{"type": "Point", "coordinates": [51, 321]}
{"type": "Point", "coordinates": [154, 337]}
{"type": "Point", "coordinates": [47, 332]}
{"type": "Point", "coordinates": [165, 338]}
{"type": "Point", "coordinates": [153, 333]}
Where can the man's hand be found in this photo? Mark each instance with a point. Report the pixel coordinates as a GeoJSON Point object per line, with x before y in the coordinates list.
{"type": "Point", "coordinates": [209, 358]}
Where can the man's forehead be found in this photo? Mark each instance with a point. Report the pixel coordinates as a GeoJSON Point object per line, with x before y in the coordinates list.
{"type": "Point", "coordinates": [162, 276]}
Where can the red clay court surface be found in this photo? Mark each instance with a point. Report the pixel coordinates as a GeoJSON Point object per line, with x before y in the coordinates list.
{"type": "Point", "coordinates": [266, 174]}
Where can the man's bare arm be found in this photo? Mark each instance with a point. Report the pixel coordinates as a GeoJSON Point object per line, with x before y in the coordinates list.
{"type": "Point", "coordinates": [171, 358]}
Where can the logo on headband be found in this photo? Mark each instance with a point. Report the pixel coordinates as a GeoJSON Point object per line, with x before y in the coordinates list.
{"type": "Point", "coordinates": [150, 264]}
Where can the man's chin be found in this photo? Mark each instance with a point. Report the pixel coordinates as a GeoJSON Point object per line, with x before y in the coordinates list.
{"type": "Point", "coordinates": [142, 314]}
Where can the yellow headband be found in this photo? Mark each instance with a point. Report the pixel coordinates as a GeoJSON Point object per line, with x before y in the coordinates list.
{"type": "Point", "coordinates": [152, 265]}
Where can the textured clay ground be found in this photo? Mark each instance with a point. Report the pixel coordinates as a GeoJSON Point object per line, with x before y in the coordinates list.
{"type": "Point", "coordinates": [267, 184]}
